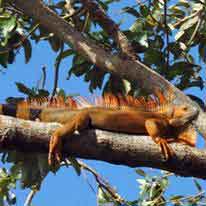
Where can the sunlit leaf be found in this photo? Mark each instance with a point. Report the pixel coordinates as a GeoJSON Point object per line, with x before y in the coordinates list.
{"type": "Point", "coordinates": [7, 24]}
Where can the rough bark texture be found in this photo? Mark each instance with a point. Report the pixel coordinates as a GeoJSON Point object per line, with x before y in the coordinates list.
{"type": "Point", "coordinates": [115, 148]}
{"type": "Point", "coordinates": [125, 68]}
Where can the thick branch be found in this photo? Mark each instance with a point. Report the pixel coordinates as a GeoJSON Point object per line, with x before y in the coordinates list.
{"type": "Point", "coordinates": [115, 148]}
{"type": "Point", "coordinates": [98, 14]}
{"type": "Point", "coordinates": [125, 68]}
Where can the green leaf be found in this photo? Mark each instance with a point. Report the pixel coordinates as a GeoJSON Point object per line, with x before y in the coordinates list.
{"type": "Point", "coordinates": [27, 50]}
{"type": "Point", "coordinates": [198, 186]}
{"type": "Point", "coordinates": [115, 85]}
{"type": "Point", "coordinates": [103, 198]}
{"type": "Point", "coordinates": [179, 34]}
{"type": "Point", "coordinates": [189, 23]}
{"type": "Point", "coordinates": [95, 76]}
{"type": "Point", "coordinates": [131, 11]}
{"type": "Point", "coordinates": [66, 53]}
{"type": "Point", "coordinates": [140, 172]}
{"type": "Point", "coordinates": [79, 70]}
{"type": "Point", "coordinates": [1, 201]}
{"type": "Point", "coordinates": [61, 93]}
{"type": "Point", "coordinates": [136, 27]}
{"type": "Point", "coordinates": [103, 5]}
{"type": "Point", "coordinates": [43, 93]}
{"type": "Point", "coordinates": [7, 24]}
{"type": "Point", "coordinates": [4, 59]}
{"type": "Point", "coordinates": [144, 10]}
{"type": "Point", "coordinates": [177, 12]}
{"type": "Point", "coordinates": [176, 199]}
{"type": "Point", "coordinates": [141, 38]}
{"type": "Point", "coordinates": [11, 198]}
{"type": "Point", "coordinates": [11, 57]}
{"type": "Point", "coordinates": [198, 100]}
{"type": "Point", "coordinates": [164, 183]}
{"type": "Point", "coordinates": [55, 43]}
{"type": "Point", "coordinates": [25, 90]}
{"type": "Point", "coordinates": [202, 51]}
{"type": "Point", "coordinates": [153, 56]}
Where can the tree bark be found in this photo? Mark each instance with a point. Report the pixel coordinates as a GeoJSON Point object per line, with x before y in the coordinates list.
{"type": "Point", "coordinates": [115, 148]}
{"type": "Point", "coordinates": [133, 70]}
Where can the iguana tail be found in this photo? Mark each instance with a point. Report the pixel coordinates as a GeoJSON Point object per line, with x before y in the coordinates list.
{"type": "Point", "coordinates": [20, 110]}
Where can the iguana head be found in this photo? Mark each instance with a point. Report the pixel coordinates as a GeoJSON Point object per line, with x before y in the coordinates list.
{"type": "Point", "coordinates": [182, 114]}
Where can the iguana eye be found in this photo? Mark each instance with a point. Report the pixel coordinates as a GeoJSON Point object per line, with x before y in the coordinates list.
{"type": "Point", "coordinates": [185, 108]}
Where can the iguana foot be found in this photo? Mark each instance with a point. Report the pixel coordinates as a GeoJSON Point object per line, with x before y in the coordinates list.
{"type": "Point", "coordinates": [55, 146]}
{"type": "Point", "coordinates": [166, 150]}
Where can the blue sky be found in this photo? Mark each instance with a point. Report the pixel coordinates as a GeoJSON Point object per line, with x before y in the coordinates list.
{"type": "Point", "coordinates": [66, 188]}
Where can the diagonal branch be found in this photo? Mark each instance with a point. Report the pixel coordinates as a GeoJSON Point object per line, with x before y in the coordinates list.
{"type": "Point", "coordinates": [98, 14]}
{"type": "Point", "coordinates": [125, 68]}
{"type": "Point", "coordinates": [115, 148]}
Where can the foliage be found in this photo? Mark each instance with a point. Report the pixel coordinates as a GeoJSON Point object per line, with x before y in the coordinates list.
{"type": "Point", "coordinates": [164, 36]}
{"type": "Point", "coordinates": [152, 193]}
{"type": "Point", "coordinates": [162, 42]}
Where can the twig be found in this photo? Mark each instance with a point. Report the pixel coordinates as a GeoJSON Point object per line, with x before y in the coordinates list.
{"type": "Point", "coordinates": [44, 77]}
{"type": "Point", "coordinates": [99, 15]}
{"type": "Point", "coordinates": [101, 183]}
{"type": "Point", "coordinates": [186, 18]}
{"type": "Point", "coordinates": [78, 12]}
{"type": "Point", "coordinates": [90, 185]}
{"type": "Point", "coordinates": [194, 32]}
{"type": "Point", "coordinates": [167, 53]}
{"type": "Point", "coordinates": [42, 81]}
{"type": "Point", "coordinates": [30, 197]}
{"type": "Point", "coordinates": [56, 67]}
{"type": "Point", "coordinates": [184, 198]}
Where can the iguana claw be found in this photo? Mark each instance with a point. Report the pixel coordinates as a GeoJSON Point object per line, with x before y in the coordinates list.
{"type": "Point", "coordinates": [55, 147]}
{"type": "Point", "coordinates": [166, 150]}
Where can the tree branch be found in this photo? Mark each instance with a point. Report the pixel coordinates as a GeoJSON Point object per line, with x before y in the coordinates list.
{"type": "Point", "coordinates": [98, 14]}
{"type": "Point", "coordinates": [115, 148]}
{"type": "Point", "coordinates": [125, 68]}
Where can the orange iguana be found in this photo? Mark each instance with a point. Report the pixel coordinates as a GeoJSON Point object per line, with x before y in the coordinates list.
{"type": "Point", "coordinates": [155, 115]}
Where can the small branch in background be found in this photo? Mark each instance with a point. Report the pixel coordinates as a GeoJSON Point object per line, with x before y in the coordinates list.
{"type": "Point", "coordinates": [167, 53]}
{"type": "Point", "coordinates": [56, 67]}
{"type": "Point", "coordinates": [98, 14]}
{"type": "Point", "coordinates": [12, 8]}
{"type": "Point", "coordinates": [194, 32]}
{"type": "Point", "coordinates": [105, 186]}
{"type": "Point", "coordinates": [72, 12]}
{"type": "Point", "coordinates": [181, 21]}
{"type": "Point", "coordinates": [180, 201]}
{"type": "Point", "coordinates": [30, 197]}
{"type": "Point", "coordinates": [42, 81]}
{"type": "Point", "coordinates": [43, 77]}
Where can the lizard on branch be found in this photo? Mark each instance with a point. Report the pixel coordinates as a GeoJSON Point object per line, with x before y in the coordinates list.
{"type": "Point", "coordinates": [156, 116]}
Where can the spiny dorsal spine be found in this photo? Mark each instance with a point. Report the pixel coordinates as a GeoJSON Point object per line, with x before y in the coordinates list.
{"type": "Point", "coordinates": [156, 102]}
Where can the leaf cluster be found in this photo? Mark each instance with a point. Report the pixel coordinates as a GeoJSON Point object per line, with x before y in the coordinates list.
{"type": "Point", "coordinates": [152, 192]}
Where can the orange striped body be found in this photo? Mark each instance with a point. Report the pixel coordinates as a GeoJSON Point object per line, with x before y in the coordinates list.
{"type": "Point", "coordinates": [155, 115]}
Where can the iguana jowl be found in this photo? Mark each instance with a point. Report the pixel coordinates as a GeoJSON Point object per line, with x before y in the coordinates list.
{"type": "Point", "coordinates": [156, 116]}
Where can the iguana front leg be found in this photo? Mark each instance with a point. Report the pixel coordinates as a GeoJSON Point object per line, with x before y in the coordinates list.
{"type": "Point", "coordinates": [157, 129]}
{"type": "Point", "coordinates": [77, 123]}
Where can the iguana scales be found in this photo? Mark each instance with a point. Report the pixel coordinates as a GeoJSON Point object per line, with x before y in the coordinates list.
{"type": "Point", "coordinates": [156, 116]}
